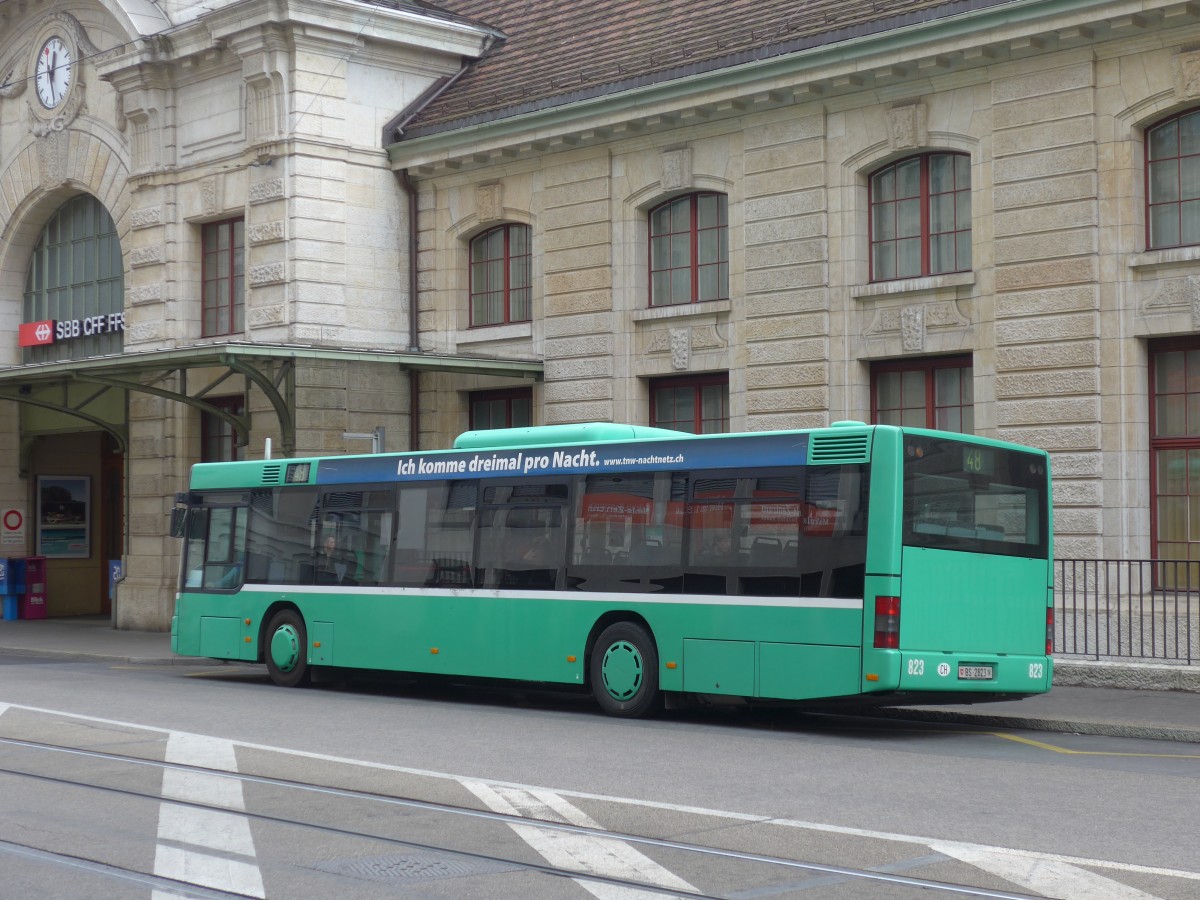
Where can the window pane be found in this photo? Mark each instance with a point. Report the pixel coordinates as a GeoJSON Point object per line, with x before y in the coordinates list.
{"type": "Point", "coordinates": [908, 261]}
{"type": "Point", "coordinates": [908, 218]}
{"type": "Point", "coordinates": [708, 212]}
{"type": "Point", "coordinates": [1164, 141]}
{"type": "Point", "coordinates": [887, 390]}
{"type": "Point", "coordinates": [941, 254]}
{"type": "Point", "coordinates": [883, 225]}
{"type": "Point", "coordinates": [709, 289]}
{"type": "Point", "coordinates": [1189, 178]}
{"type": "Point", "coordinates": [883, 185]}
{"type": "Point", "coordinates": [1170, 415]}
{"type": "Point", "coordinates": [941, 173]}
{"type": "Point", "coordinates": [660, 220]}
{"type": "Point", "coordinates": [1164, 181]}
{"type": "Point", "coordinates": [949, 419]}
{"type": "Point", "coordinates": [1189, 215]}
{"type": "Point", "coordinates": [1170, 372]}
{"type": "Point", "coordinates": [941, 213]}
{"type": "Point", "coordinates": [1172, 518]}
{"type": "Point", "coordinates": [1189, 134]}
{"type": "Point", "coordinates": [908, 178]}
{"type": "Point", "coordinates": [681, 215]}
{"type": "Point", "coordinates": [947, 387]}
{"type": "Point", "coordinates": [681, 250]}
{"type": "Point", "coordinates": [521, 305]}
{"type": "Point", "coordinates": [660, 253]}
{"type": "Point", "coordinates": [883, 261]}
{"type": "Point", "coordinates": [681, 286]}
{"type": "Point", "coordinates": [1164, 226]}
{"type": "Point", "coordinates": [660, 289]}
{"type": "Point", "coordinates": [963, 243]}
{"type": "Point", "coordinates": [914, 389]}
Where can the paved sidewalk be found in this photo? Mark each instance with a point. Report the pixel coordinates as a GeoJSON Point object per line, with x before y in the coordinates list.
{"type": "Point", "coordinates": [1125, 700]}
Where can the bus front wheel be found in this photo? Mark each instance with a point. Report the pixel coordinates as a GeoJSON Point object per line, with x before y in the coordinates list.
{"type": "Point", "coordinates": [624, 671]}
{"type": "Point", "coordinates": [287, 649]}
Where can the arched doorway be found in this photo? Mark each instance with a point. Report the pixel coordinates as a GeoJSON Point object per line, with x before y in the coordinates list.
{"type": "Point", "coordinates": [73, 308]}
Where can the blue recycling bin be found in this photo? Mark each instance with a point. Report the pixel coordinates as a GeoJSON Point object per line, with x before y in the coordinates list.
{"type": "Point", "coordinates": [12, 586]}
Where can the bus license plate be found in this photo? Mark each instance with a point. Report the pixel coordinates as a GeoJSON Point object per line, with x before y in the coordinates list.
{"type": "Point", "coordinates": [975, 673]}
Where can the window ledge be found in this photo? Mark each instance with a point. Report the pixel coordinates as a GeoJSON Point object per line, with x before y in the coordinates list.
{"type": "Point", "coordinates": [683, 310]}
{"type": "Point", "coordinates": [483, 333]}
{"type": "Point", "coordinates": [1174, 256]}
{"type": "Point", "coordinates": [912, 285]}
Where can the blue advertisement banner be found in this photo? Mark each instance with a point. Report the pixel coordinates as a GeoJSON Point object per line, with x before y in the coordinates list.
{"type": "Point", "coordinates": [745, 452]}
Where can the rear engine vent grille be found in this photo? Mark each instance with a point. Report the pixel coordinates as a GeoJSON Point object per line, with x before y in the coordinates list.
{"type": "Point", "coordinates": [270, 474]}
{"type": "Point", "coordinates": [839, 448]}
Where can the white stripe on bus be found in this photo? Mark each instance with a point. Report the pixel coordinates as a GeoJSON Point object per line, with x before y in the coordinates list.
{"type": "Point", "coordinates": [609, 597]}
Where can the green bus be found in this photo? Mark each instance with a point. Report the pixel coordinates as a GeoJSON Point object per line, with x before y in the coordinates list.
{"type": "Point", "coordinates": [873, 562]}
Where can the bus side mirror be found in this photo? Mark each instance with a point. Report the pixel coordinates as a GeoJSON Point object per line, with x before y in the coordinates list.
{"type": "Point", "coordinates": [179, 517]}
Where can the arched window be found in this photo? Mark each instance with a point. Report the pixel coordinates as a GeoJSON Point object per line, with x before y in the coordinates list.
{"type": "Point", "coordinates": [501, 276]}
{"type": "Point", "coordinates": [689, 250]}
{"type": "Point", "coordinates": [921, 216]}
{"type": "Point", "coordinates": [76, 280]}
{"type": "Point", "coordinates": [1173, 182]}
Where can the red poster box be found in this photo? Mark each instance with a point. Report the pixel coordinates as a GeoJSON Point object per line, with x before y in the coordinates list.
{"type": "Point", "coordinates": [33, 603]}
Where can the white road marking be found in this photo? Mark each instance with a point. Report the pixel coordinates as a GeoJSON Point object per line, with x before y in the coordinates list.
{"type": "Point", "coordinates": [579, 852]}
{"type": "Point", "coordinates": [1034, 855]}
{"type": "Point", "coordinates": [1043, 876]}
{"type": "Point", "coordinates": [202, 846]}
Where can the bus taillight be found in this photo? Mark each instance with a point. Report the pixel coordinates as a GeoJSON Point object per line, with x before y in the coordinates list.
{"type": "Point", "coordinates": [1049, 630]}
{"type": "Point", "coordinates": [887, 623]}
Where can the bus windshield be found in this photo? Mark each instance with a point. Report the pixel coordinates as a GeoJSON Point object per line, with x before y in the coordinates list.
{"type": "Point", "coordinates": [980, 499]}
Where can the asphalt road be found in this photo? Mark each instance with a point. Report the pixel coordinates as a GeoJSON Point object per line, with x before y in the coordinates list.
{"type": "Point", "coordinates": [1008, 812]}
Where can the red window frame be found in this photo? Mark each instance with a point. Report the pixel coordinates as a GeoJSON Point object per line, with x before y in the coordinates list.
{"type": "Point", "coordinates": [223, 267]}
{"type": "Point", "coordinates": [516, 287]}
{"type": "Point", "coordinates": [890, 223]}
{"type": "Point", "coordinates": [509, 403]}
{"type": "Point", "coordinates": [218, 440]}
{"type": "Point", "coordinates": [1173, 167]}
{"type": "Point", "coordinates": [1181, 439]}
{"type": "Point", "coordinates": [700, 386]}
{"type": "Point", "coordinates": [937, 409]}
{"type": "Point", "coordinates": [707, 250]}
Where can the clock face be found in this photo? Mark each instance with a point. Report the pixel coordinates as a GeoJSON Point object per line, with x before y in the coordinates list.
{"type": "Point", "coordinates": [53, 75]}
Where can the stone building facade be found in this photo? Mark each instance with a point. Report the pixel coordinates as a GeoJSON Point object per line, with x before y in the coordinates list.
{"type": "Point", "coordinates": [1059, 311]}
{"type": "Point", "coordinates": [196, 209]}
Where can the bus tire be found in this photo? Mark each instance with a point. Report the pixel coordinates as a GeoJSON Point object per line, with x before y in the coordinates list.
{"type": "Point", "coordinates": [624, 671]}
{"type": "Point", "coordinates": [286, 649]}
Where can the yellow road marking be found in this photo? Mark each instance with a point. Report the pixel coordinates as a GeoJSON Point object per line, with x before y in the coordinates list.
{"type": "Point", "coordinates": [1042, 745]}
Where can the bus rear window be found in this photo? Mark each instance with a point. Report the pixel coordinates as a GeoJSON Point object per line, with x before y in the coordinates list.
{"type": "Point", "coordinates": [962, 496]}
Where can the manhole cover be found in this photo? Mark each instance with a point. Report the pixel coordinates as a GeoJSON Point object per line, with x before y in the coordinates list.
{"type": "Point", "coordinates": [392, 868]}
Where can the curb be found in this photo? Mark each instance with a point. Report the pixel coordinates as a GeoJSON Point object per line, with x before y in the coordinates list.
{"type": "Point", "coordinates": [81, 656]}
{"type": "Point", "coordinates": [1126, 675]}
{"type": "Point", "coordinates": [1061, 726]}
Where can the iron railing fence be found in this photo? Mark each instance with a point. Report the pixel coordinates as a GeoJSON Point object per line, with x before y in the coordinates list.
{"type": "Point", "coordinates": [1145, 609]}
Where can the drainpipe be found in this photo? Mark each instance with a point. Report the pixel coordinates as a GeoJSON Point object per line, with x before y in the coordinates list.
{"type": "Point", "coordinates": [414, 345]}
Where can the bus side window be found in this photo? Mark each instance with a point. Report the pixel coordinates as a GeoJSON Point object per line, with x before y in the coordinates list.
{"type": "Point", "coordinates": [225, 552]}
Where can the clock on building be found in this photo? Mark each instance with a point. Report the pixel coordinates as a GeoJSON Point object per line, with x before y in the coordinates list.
{"type": "Point", "coordinates": [53, 73]}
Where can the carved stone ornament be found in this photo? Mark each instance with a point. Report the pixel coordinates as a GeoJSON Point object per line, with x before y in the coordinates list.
{"type": "Point", "coordinates": [1187, 75]}
{"type": "Point", "coordinates": [489, 202]}
{"type": "Point", "coordinates": [912, 327]}
{"type": "Point", "coordinates": [676, 169]}
{"type": "Point", "coordinates": [681, 347]}
{"type": "Point", "coordinates": [1175, 292]}
{"type": "Point", "coordinates": [906, 127]}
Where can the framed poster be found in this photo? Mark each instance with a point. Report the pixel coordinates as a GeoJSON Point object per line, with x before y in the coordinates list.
{"type": "Point", "coordinates": [63, 516]}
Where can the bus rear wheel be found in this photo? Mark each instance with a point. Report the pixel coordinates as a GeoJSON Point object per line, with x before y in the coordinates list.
{"type": "Point", "coordinates": [624, 671]}
{"type": "Point", "coordinates": [287, 649]}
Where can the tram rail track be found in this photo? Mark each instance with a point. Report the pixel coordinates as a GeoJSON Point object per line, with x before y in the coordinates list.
{"type": "Point", "coordinates": [805, 868]}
